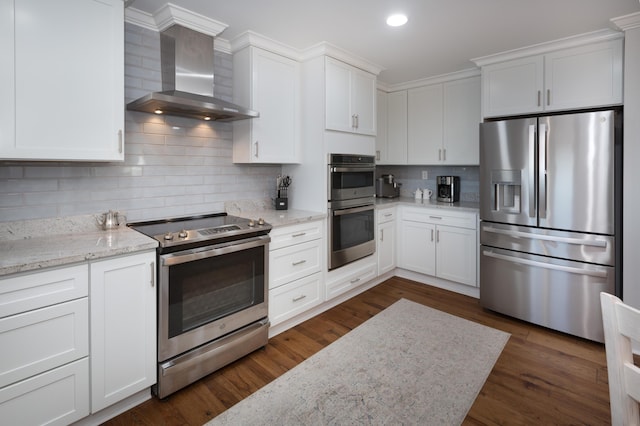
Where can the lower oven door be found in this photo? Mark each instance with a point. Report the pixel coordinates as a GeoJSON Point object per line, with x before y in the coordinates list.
{"type": "Point", "coordinates": [208, 292]}
{"type": "Point", "coordinates": [351, 234]}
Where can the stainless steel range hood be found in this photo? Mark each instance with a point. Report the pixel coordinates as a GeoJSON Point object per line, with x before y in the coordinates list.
{"type": "Point", "coordinates": [187, 80]}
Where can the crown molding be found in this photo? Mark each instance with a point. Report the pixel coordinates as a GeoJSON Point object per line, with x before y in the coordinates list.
{"type": "Point", "coordinates": [442, 78]}
{"type": "Point", "coordinates": [627, 22]}
{"type": "Point", "coordinates": [250, 38]}
{"type": "Point", "coordinates": [537, 49]}
{"type": "Point", "coordinates": [328, 49]}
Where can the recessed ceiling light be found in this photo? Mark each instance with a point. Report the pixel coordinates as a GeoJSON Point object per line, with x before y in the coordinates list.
{"type": "Point", "coordinates": [397, 20]}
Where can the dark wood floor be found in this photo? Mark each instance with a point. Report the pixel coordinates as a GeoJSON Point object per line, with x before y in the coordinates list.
{"type": "Point", "coordinates": [541, 377]}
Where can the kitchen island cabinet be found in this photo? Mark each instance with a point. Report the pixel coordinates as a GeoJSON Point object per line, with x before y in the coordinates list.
{"type": "Point", "coordinates": [48, 74]}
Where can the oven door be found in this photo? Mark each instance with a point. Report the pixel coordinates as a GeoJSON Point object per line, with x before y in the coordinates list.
{"type": "Point", "coordinates": [351, 233]}
{"type": "Point", "coordinates": [211, 291]}
{"type": "Point", "coordinates": [347, 182]}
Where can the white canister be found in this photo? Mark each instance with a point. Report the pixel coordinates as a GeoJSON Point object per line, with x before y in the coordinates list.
{"type": "Point", "coordinates": [418, 194]}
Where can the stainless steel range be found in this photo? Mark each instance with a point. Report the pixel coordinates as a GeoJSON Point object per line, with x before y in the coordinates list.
{"type": "Point", "coordinates": [212, 294]}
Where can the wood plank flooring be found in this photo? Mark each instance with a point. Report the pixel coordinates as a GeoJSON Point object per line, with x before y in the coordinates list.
{"type": "Point", "coordinates": [541, 377]}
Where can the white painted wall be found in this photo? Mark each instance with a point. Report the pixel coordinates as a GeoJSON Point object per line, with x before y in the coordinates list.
{"type": "Point", "coordinates": [631, 156]}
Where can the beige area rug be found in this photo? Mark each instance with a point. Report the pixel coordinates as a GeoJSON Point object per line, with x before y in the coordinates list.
{"type": "Point", "coordinates": [409, 364]}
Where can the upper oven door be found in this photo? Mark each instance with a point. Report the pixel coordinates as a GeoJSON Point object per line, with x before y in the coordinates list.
{"type": "Point", "coordinates": [347, 182]}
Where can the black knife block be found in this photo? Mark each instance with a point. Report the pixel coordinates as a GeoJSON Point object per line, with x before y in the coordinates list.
{"type": "Point", "coordinates": [282, 203]}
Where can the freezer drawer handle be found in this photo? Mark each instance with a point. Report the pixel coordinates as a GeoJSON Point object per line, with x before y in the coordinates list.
{"type": "Point", "coordinates": [567, 240]}
{"type": "Point", "coordinates": [579, 271]}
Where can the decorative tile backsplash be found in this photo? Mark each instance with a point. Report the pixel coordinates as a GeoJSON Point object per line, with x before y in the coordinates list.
{"type": "Point", "coordinates": [173, 166]}
{"type": "Point", "coordinates": [411, 179]}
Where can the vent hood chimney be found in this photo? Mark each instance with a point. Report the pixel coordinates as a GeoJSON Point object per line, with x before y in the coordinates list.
{"type": "Point", "coordinates": [187, 80]}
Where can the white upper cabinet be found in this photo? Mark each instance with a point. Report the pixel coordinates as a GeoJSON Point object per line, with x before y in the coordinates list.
{"type": "Point", "coordinates": [350, 98]}
{"type": "Point", "coordinates": [397, 128]}
{"type": "Point", "coordinates": [270, 84]}
{"type": "Point", "coordinates": [382, 143]}
{"type": "Point", "coordinates": [62, 80]}
{"type": "Point", "coordinates": [589, 75]}
{"type": "Point", "coordinates": [443, 123]}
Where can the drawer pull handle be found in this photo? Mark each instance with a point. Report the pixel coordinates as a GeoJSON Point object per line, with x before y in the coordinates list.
{"type": "Point", "coordinates": [388, 214]}
{"type": "Point", "coordinates": [299, 262]}
{"type": "Point", "coordinates": [300, 234]}
{"type": "Point", "coordinates": [302, 296]}
{"type": "Point", "coordinates": [355, 280]}
{"type": "Point", "coordinates": [435, 217]}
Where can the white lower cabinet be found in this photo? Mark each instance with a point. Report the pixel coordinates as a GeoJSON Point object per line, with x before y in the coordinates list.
{"type": "Point", "coordinates": [351, 276]}
{"type": "Point", "coordinates": [386, 240]}
{"type": "Point", "coordinates": [76, 339]}
{"type": "Point", "coordinates": [44, 347]}
{"type": "Point", "coordinates": [439, 243]}
{"type": "Point", "coordinates": [295, 277]}
{"type": "Point", "coordinates": [123, 328]}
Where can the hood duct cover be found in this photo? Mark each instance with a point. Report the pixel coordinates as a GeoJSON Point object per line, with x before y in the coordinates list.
{"type": "Point", "coordinates": [187, 80]}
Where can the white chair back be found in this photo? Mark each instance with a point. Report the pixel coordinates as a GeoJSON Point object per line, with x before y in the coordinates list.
{"type": "Point", "coordinates": [621, 327]}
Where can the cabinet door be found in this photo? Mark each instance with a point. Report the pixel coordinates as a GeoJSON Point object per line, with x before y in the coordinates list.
{"type": "Point", "coordinates": [363, 101]}
{"type": "Point", "coordinates": [338, 93]}
{"type": "Point", "coordinates": [462, 118]}
{"type": "Point", "coordinates": [123, 328]}
{"type": "Point", "coordinates": [418, 247]}
{"type": "Point", "coordinates": [584, 76]}
{"type": "Point", "coordinates": [397, 128]}
{"type": "Point", "coordinates": [456, 254]}
{"type": "Point", "coordinates": [424, 132]}
{"type": "Point", "coordinates": [381, 122]}
{"type": "Point", "coordinates": [7, 78]}
{"type": "Point", "coordinates": [513, 87]}
{"type": "Point", "coordinates": [274, 91]}
{"type": "Point", "coordinates": [68, 56]}
{"type": "Point", "coordinates": [386, 247]}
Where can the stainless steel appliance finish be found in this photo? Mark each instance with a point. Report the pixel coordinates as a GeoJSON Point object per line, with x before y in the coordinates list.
{"type": "Point", "coordinates": [351, 231]}
{"type": "Point", "coordinates": [350, 197]}
{"type": "Point", "coordinates": [548, 211]}
{"type": "Point", "coordinates": [448, 189]}
{"type": "Point", "coordinates": [212, 294]}
{"type": "Point", "coordinates": [187, 80]}
{"type": "Point", "coordinates": [387, 187]}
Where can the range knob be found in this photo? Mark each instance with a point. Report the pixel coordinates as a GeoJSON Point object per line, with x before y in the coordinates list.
{"type": "Point", "coordinates": [168, 236]}
{"type": "Point", "coordinates": [260, 221]}
{"type": "Point", "coordinates": [251, 223]}
{"type": "Point", "coordinates": [183, 234]}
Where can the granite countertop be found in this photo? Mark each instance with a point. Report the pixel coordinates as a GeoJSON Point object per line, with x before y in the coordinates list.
{"type": "Point", "coordinates": [465, 206]}
{"type": "Point", "coordinates": [264, 209]}
{"type": "Point", "coordinates": [32, 245]}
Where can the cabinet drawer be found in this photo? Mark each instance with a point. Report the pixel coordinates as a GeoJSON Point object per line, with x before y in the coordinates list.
{"type": "Point", "coordinates": [32, 291]}
{"type": "Point", "coordinates": [57, 397]}
{"type": "Point", "coordinates": [351, 280]}
{"type": "Point", "coordinates": [46, 338]}
{"type": "Point", "coordinates": [440, 217]}
{"type": "Point", "coordinates": [290, 263]}
{"type": "Point", "coordinates": [294, 298]}
{"type": "Point", "coordinates": [386, 215]}
{"type": "Point", "coordinates": [295, 234]}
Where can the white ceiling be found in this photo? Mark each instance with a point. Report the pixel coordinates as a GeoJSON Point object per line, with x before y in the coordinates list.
{"type": "Point", "coordinates": [440, 37]}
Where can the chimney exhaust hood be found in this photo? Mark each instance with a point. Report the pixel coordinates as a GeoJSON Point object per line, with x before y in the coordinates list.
{"type": "Point", "coordinates": [187, 80]}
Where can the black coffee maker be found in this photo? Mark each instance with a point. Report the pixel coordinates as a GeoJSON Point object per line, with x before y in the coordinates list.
{"type": "Point", "coordinates": [448, 189]}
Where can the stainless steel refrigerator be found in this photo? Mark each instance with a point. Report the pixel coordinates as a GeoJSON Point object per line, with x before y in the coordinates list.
{"type": "Point", "coordinates": [550, 215]}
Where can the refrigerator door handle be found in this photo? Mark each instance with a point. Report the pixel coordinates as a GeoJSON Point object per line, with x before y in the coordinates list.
{"type": "Point", "coordinates": [542, 171]}
{"type": "Point", "coordinates": [532, 171]}
{"type": "Point", "coordinates": [566, 240]}
{"type": "Point", "coordinates": [579, 271]}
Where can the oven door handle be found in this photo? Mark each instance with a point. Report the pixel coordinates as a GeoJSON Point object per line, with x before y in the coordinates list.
{"type": "Point", "coordinates": [338, 169]}
{"type": "Point", "coordinates": [211, 251]}
{"type": "Point", "coordinates": [352, 210]}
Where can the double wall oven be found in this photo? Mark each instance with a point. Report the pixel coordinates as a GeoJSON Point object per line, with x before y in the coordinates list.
{"type": "Point", "coordinates": [212, 294]}
{"type": "Point", "coordinates": [351, 190]}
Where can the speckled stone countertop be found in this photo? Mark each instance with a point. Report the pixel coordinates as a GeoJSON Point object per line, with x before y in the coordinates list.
{"type": "Point", "coordinates": [35, 244]}
{"type": "Point", "coordinates": [251, 209]}
{"type": "Point", "coordinates": [460, 206]}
